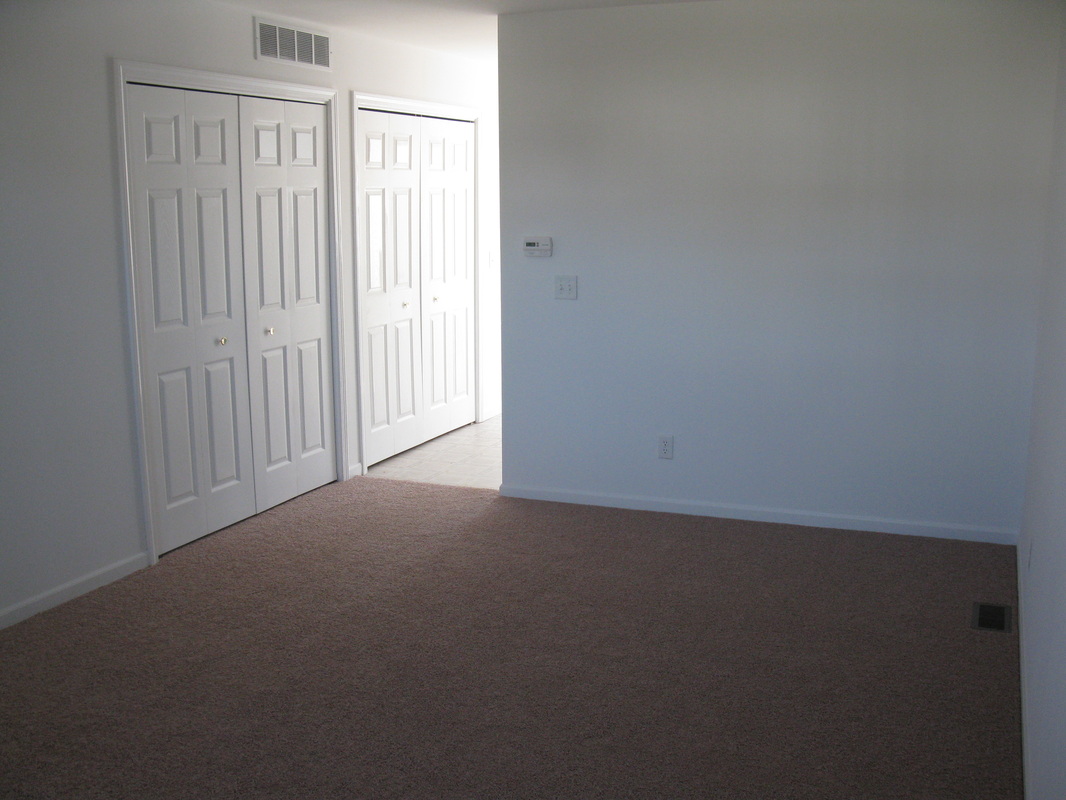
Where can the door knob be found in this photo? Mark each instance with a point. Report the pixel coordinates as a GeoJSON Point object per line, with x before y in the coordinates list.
{"type": "Point", "coordinates": [405, 305]}
{"type": "Point", "coordinates": [222, 340]}
{"type": "Point", "coordinates": [435, 299]}
{"type": "Point", "coordinates": [270, 331]}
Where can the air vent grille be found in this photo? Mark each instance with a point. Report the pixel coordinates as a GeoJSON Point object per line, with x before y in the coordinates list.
{"type": "Point", "coordinates": [991, 617]}
{"type": "Point", "coordinates": [288, 44]}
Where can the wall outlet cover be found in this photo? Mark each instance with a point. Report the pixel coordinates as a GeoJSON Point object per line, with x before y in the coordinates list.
{"type": "Point", "coordinates": [666, 447]}
{"type": "Point", "coordinates": [566, 287]}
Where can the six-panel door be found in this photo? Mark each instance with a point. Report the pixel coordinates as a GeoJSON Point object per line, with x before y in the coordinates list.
{"type": "Point", "coordinates": [415, 210]}
{"type": "Point", "coordinates": [283, 160]}
{"type": "Point", "coordinates": [233, 312]}
{"type": "Point", "coordinates": [387, 178]}
{"type": "Point", "coordinates": [447, 274]}
{"type": "Point", "coordinates": [189, 285]}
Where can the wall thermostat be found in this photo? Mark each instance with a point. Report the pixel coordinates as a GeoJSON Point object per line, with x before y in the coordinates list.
{"type": "Point", "coordinates": [540, 246]}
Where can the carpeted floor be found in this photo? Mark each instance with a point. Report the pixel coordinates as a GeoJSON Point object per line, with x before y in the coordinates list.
{"type": "Point", "coordinates": [382, 639]}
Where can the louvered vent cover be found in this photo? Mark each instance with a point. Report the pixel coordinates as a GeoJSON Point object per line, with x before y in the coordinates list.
{"type": "Point", "coordinates": [288, 44]}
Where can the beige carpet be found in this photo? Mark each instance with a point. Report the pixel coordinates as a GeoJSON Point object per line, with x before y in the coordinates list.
{"type": "Point", "coordinates": [381, 639]}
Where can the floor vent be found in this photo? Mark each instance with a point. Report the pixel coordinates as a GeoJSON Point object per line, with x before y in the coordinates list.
{"type": "Point", "coordinates": [283, 43]}
{"type": "Point", "coordinates": [990, 617]}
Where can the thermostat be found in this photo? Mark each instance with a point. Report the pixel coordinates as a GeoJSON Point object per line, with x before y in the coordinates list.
{"type": "Point", "coordinates": [540, 246]}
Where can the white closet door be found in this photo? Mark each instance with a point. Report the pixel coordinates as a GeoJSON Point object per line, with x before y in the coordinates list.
{"type": "Point", "coordinates": [447, 274]}
{"type": "Point", "coordinates": [415, 210]}
{"type": "Point", "coordinates": [388, 157]}
{"type": "Point", "coordinates": [188, 280]}
{"type": "Point", "coordinates": [284, 187]}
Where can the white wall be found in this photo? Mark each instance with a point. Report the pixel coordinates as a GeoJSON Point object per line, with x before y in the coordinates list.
{"type": "Point", "coordinates": [70, 510]}
{"type": "Point", "coordinates": [807, 236]}
{"type": "Point", "coordinates": [1042, 548]}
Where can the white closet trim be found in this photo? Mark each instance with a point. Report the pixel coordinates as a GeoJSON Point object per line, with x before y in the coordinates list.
{"type": "Point", "coordinates": [181, 78]}
{"type": "Point", "coordinates": [399, 105]}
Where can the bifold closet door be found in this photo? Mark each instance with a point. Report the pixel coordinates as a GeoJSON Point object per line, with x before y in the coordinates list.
{"type": "Point", "coordinates": [387, 179]}
{"type": "Point", "coordinates": [230, 231]}
{"type": "Point", "coordinates": [284, 186]}
{"type": "Point", "coordinates": [447, 274]}
{"type": "Point", "coordinates": [189, 284]}
{"type": "Point", "coordinates": [415, 207]}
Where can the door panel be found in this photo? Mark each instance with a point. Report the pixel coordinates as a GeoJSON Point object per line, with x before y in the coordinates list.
{"type": "Point", "coordinates": [209, 141]}
{"type": "Point", "coordinates": [276, 408]}
{"type": "Point", "coordinates": [312, 386]}
{"type": "Point", "coordinates": [216, 301]}
{"type": "Point", "coordinates": [374, 240]}
{"type": "Point", "coordinates": [311, 368]}
{"type": "Point", "coordinates": [462, 253]}
{"type": "Point", "coordinates": [285, 186]}
{"type": "Point", "coordinates": [230, 244]}
{"type": "Point", "coordinates": [222, 423]}
{"type": "Point", "coordinates": [178, 430]}
{"type": "Point", "coordinates": [407, 376]}
{"type": "Point", "coordinates": [377, 378]}
{"type": "Point", "coordinates": [462, 342]}
{"type": "Point", "coordinates": [305, 229]}
{"type": "Point", "coordinates": [388, 180]}
{"type": "Point", "coordinates": [269, 248]}
{"type": "Point", "coordinates": [434, 243]}
{"type": "Point", "coordinates": [403, 232]}
{"type": "Point", "coordinates": [187, 257]}
{"type": "Point", "coordinates": [448, 270]}
{"type": "Point", "coordinates": [415, 181]}
{"type": "Point", "coordinates": [436, 351]}
{"type": "Point", "coordinates": [166, 234]}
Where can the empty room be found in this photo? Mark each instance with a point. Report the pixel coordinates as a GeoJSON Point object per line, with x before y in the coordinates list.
{"type": "Point", "coordinates": [769, 295]}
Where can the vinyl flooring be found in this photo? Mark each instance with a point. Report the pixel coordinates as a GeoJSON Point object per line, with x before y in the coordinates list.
{"type": "Point", "coordinates": [469, 456]}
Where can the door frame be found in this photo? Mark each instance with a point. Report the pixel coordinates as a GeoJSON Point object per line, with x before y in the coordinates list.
{"type": "Point", "coordinates": [420, 108]}
{"type": "Point", "coordinates": [127, 72]}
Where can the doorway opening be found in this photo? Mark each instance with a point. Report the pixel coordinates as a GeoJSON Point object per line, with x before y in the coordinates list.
{"type": "Point", "coordinates": [428, 294]}
{"type": "Point", "coordinates": [469, 456]}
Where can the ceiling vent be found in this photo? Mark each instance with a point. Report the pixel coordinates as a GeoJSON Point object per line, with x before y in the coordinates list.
{"type": "Point", "coordinates": [283, 43]}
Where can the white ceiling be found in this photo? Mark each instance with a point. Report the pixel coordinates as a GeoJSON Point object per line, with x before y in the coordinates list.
{"type": "Point", "coordinates": [467, 26]}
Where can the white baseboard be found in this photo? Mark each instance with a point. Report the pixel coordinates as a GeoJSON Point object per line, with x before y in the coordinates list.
{"type": "Point", "coordinates": [969, 533]}
{"type": "Point", "coordinates": [71, 589]}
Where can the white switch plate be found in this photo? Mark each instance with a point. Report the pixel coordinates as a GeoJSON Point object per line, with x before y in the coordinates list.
{"type": "Point", "coordinates": [566, 287]}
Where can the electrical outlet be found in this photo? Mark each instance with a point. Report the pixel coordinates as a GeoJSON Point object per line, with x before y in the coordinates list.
{"type": "Point", "coordinates": [566, 287]}
{"type": "Point", "coordinates": [666, 447]}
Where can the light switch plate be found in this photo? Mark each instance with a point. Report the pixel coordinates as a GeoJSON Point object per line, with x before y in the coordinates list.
{"type": "Point", "coordinates": [566, 287]}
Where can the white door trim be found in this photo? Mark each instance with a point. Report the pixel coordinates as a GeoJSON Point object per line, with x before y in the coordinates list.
{"type": "Point", "coordinates": [126, 72]}
{"type": "Point", "coordinates": [401, 105]}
